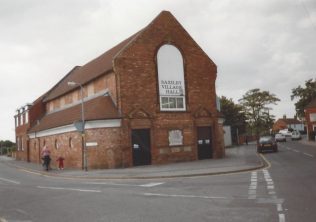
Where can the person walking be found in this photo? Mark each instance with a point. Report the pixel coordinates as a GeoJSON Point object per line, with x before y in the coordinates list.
{"type": "Point", "coordinates": [60, 161]}
{"type": "Point", "coordinates": [46, 157]}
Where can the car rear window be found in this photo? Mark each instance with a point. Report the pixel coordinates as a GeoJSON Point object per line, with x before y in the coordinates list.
{"type": "Point", "coordinates": [265, 139]}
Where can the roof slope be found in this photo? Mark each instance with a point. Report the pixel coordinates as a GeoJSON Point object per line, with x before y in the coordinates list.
{"type": "Point", "coordinates": [88, 72]}
{"type": "Point", "coordinates": [289, 121]}
{"type": "Point", "coordinates": [104, 63]}
{"type": "Point", "coordinates": [98, 108]}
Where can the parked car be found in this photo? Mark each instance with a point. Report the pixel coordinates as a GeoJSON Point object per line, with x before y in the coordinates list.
{"type": "Point", "coordinates": [286, 132]}
{"type": "Point", "coordinates": [296, 135]}
{"type": "Point", "coordinates": [267, 143]}
{"type": "Point", "coordinates": [280, 137]}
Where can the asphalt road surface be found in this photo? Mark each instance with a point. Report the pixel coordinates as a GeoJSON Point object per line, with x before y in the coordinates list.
{"type": "Point", "coordinates": [284, 191]}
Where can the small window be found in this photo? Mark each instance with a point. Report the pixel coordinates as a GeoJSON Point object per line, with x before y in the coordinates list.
{"type": "Point", "coordinates": [22, 144]}
{"type": "Point", "coordinates": [18, 143]}
{"type": "Point", "coordinates": [22, 121]}
{"type": "Point", "coordinates": [172, 103]}
{"type": "Point", "coordinates": [56, 144]}
{"type": "Point", "coordinates": [34, 145]}
{"type": "Point", "coordinates": [26, 116]}
{"type": "Point", "coordinates": [71, 145]}
{"type": "Point", "coordinates": [90, 90]}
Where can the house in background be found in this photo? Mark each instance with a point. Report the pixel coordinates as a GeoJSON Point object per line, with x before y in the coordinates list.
{"type": "Point", "coordinates": [288, 123]}
{"type": "Point", "coordinates": [151, 99]}
{"type": "Point", "coordinates": [310, 116]}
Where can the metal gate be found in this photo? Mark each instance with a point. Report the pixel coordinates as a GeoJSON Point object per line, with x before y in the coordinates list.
{"type": "Point", "coordinates": [204, 142]}
{"type": "Point", "coordinates": [141, 147]}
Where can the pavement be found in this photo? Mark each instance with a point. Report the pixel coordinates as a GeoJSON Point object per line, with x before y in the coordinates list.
{"type": "Point", "coordinates": [237, 159]}
{"type": "Point", "coordinates": [307, 142]}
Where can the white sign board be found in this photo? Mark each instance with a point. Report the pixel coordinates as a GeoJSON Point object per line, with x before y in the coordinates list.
{"type": "Point", "coordinates": [170, 71]}
{"type": "Point", "coordinates": [91, 143]}
{"type": "Point", "coordinates": [175, 137]}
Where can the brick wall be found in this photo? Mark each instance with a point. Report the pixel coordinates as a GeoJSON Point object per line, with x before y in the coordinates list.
{"type": "Point", "coordinates": [134, 87]}
{"type": "Point", "coordinates": [138, 88]}
{"type": "Point", "coordinates": [278, 125]}
{"type": "Point", "coordinates": [309, 123]}
{"type": "Point", "coordinates": [107, 81]}
{"type": "Point", "coordinates": [107, 154]}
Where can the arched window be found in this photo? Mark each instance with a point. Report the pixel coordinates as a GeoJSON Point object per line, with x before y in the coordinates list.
{"type": "Point", "coordinates": [18, 143]}
{"type": "Point", "coordinates": [171, 79]}
{"type": "Point", "coordinates": [56, 144]}
{"type": "Point", "coordinates": [71, 145]}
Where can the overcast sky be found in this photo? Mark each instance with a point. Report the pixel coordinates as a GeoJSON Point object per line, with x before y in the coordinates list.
{"type": "Point", "coordinates": [266, 44]}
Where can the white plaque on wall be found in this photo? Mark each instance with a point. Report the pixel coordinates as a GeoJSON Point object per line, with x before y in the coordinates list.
{"type": "Point", "coordinates": [175, 137]}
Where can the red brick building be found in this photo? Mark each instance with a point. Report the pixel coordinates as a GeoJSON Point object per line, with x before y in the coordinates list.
{"type": "Point", "coordinates": [288, 123]}
{"type": "Point", "coordinates": [149, 100]}
{"type": "Point", "coordinates": [310, 116]}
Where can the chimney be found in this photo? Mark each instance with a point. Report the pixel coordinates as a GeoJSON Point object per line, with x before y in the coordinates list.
{"type": "Point", "coordinates": [284, 116]}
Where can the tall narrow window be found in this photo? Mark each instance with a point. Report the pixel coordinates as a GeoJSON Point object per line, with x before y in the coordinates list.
{"type": "Point", "coordinates": [22, 144]}
{"type": "Point", "coordinates": [56, 144]}
{"type": "Point", "coordinates": [18, 143]}
{"type": "Point", "coordinates": [27, 116]}
{"type": "Point", "coordinates": [71, 145]}
{"type": "Point", "coordinates": [171, 79]}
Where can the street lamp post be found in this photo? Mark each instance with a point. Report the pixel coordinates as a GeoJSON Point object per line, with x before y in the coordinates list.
{"type": "Point", "coordinates": [85, 160]}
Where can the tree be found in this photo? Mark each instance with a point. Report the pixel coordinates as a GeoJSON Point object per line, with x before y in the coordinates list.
{"type": "Point", "coordinates": [256, 107]}
{"type": "Point", "coordinates": [234, 117]}
{"type": "Point", "coordinates": [305, 95]}
{"type": "Point", "coordinates": [5, 145]}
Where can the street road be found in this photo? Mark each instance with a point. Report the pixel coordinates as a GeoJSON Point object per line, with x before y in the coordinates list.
{"type": "Point", "coordinates": [284, 191]}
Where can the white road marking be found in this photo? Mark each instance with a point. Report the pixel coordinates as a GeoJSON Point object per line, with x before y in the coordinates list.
{"type": "Point", "coordinates": [10, 181]}
{"type": "Point", "coordinates": [252, 190]}
{"type": "Point", "coordinates": [307, 154]}
{"type": "Point", "coordinates": [125, 185]}
{"type": "Point", "coordinates": [279, 207]}
{"type": "Point", "coordinates": [151, 184]}
{"type": "Point", "coordinates": [281, 218]}
{"type": "Point", "coordinates": [185, 196]}
{"type": "Point", "coordinates": [271, 191]}
{"type": "Point", "coordinates": [72, 189]}
{"type": "Point", "coordinates": [296, 151]}
{"type": "Point", "coordinates": [270, 187]}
